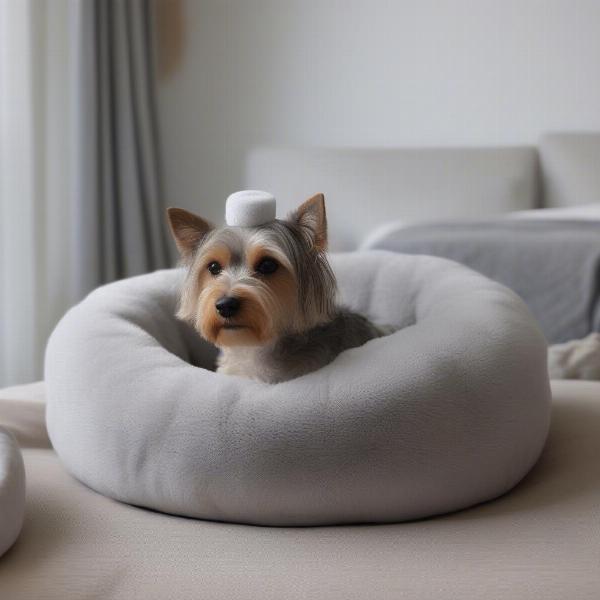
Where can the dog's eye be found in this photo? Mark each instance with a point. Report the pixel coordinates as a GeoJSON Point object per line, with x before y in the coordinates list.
{"type": "Point", "coordinates": [214, 268]}
{"type": "Point", "coordinates": [267, 266]}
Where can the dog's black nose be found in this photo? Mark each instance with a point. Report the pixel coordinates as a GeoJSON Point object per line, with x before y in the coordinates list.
{"type": "Point", "coordinates": [227, 306]}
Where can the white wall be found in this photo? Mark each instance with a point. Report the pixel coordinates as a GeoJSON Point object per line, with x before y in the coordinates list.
{"type": "Point", "coordinates": [370, 73]}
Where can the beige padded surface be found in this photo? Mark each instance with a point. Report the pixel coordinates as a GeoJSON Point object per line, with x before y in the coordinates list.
{"type": "Point", "coordinates": [22, 410]}
{"type": "Point", "coordinates": [540, 541]}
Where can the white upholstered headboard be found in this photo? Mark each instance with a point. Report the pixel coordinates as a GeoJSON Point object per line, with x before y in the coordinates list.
{"type": "Point", "coordinates": [365, 188]}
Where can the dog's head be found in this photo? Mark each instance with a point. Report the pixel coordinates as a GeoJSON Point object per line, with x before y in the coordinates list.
{"type": "Point", "coordinates": [247, 286]}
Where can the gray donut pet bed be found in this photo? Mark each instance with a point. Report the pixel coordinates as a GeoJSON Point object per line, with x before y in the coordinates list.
{"type": "Point", "coordinates": [449, 411]}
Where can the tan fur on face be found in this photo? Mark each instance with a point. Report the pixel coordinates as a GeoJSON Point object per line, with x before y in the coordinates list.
{"type": "Point", "coordinates": [267, 301]}
{"type": "Point", "coordinates": [257, 252]}
{"type": "Point", "coordinates": [198, 279]}
{"type": "Point", "coordinates": [256, 326]}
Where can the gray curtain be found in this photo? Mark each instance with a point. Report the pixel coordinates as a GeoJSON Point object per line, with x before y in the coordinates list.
{"type": "Point", "coordinates": [118, 214]}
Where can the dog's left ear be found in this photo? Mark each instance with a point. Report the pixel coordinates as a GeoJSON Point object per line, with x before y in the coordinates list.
{"type": "Point", "coordinates": [311, 217]}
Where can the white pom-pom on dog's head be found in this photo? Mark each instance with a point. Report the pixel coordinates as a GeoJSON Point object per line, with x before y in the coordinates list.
{"type": "Point", "coordinates": [250, 208]}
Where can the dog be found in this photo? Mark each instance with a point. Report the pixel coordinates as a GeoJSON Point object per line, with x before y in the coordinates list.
{"type": "Point", "coordinates": [266, 295]}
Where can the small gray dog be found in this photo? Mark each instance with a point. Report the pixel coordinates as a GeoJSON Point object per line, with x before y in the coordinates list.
{"type": "Point", "coordinates": [266, 295]}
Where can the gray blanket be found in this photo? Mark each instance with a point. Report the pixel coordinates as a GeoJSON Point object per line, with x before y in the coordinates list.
{"type": "Point", "coordinates": [552, 265]}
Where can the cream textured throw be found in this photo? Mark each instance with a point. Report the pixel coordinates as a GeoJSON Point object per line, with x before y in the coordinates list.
{"type": "Point", "coordinates": [577, 359]}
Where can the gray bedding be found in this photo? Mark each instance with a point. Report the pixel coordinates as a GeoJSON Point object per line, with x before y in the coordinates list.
{"type": "Point", "coordinates": [553, 265]}
{"type": "Point", "coordinates": [429, 419]}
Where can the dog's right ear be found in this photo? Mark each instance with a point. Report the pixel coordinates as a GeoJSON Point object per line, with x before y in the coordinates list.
{"type": "Point", "coordinates": [188, 230]}
{"type": "Point", "coordinates": [311, 217]}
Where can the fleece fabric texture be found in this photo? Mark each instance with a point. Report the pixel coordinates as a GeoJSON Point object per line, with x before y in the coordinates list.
{"type": "Point", "coordinates": [450, 410]}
